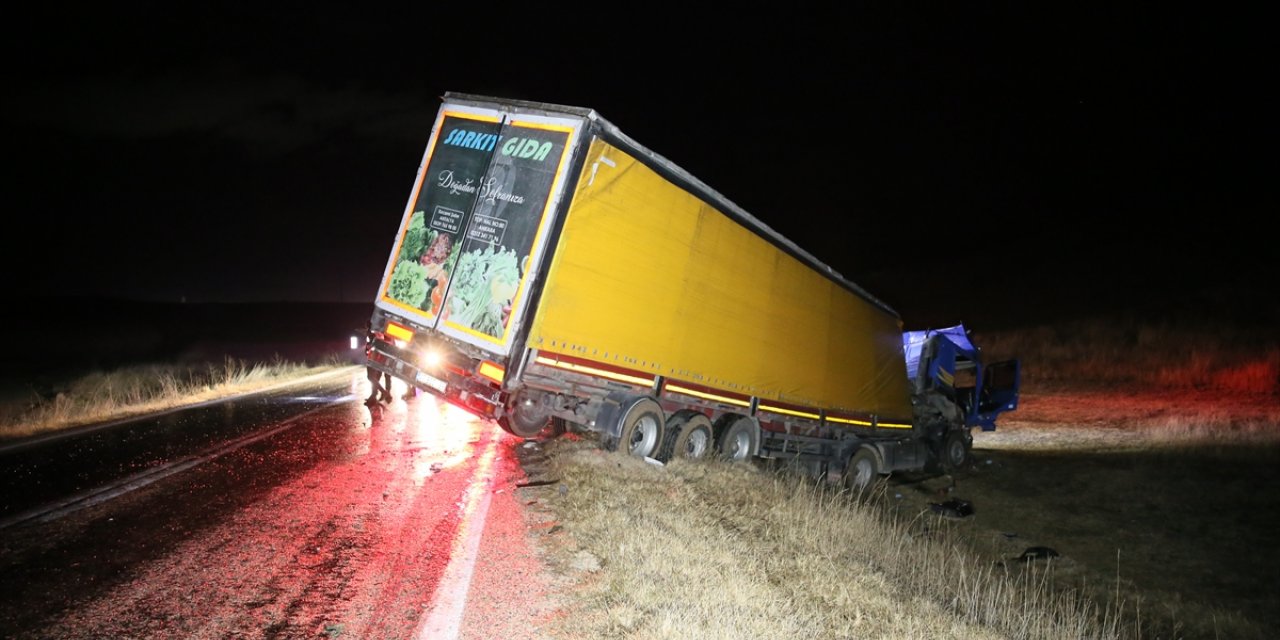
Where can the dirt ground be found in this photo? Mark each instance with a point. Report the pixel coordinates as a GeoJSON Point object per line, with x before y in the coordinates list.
{"type": "Point", "coordinates": [1145, 506]}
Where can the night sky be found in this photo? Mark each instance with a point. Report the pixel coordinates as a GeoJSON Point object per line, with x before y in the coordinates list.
{"type": "Point", "coordinates": [980, 158]}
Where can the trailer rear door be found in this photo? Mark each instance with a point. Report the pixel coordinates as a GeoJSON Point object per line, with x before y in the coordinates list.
{"type": "Point", "coordinates": [476, 225]}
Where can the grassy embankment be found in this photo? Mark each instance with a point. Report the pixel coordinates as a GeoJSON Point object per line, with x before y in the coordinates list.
{"type": "Point", "coordinates": [713, 551]}
{"type": "Point", "coordinates": [102, 396]}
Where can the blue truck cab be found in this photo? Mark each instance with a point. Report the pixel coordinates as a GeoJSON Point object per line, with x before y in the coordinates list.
{"type": "Point", "coordinates": [946, 362]}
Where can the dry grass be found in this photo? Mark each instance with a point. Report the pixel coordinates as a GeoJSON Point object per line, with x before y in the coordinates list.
{"type": "Point", "coordinates": [1183, 353]}
{"type": "Point", "coordinates": [1167, 421]}
{"type": "Point", "coordinates": [135, 390]}
{"type": "Point", "coordinates": [711, 550]}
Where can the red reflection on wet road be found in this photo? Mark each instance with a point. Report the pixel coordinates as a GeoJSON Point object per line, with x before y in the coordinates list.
{"type": "Point", "coordinates": [353, 545]}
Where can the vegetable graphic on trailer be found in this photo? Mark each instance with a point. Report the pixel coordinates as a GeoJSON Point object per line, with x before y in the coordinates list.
{"type": "Point", "coordinates": [446, 191]}
{"type": "Point", "coordinates": [478, 222]}
{"type": "Point", "coordinates": [505, 229]}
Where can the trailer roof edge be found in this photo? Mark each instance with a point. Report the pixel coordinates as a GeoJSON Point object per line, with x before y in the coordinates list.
{"type": "Point", "coordinates": [668, 165]}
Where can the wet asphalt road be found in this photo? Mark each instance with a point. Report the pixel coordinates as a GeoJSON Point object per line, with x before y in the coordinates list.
{"type": "Point", "coordinates": [39, 471]}
{"type": "Point", "coordinates": [296, 513]}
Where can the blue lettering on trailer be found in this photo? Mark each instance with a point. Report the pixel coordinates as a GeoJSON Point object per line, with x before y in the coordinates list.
{"type": "Point", "coordinates": [471, 139]}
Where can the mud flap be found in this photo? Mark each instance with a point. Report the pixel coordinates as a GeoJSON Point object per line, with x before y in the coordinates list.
{"type": "Point", "coordinates": [607, 422]}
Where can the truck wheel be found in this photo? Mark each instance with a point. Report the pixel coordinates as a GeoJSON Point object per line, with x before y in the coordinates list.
{"type": "Point", "coordinates": [552, 428]}
{"type": "Point", "coordinates": [688, 436]}
{"type": "Point", "coordinates": [955, 451]}
{"type": "Point", "coordinates": [864, 467]}
{"type": "Point", "coordinates": [641, 428]}
{"type": "Point", "coordinates": [526, 417]}
{"type": "Point", "coordinates": [739, 441]}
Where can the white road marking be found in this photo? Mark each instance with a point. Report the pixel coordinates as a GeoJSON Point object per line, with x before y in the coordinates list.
{"type": "Point", "coordinates": [54, 510]}
{"type": "Point", "coordinates": [444, 618]}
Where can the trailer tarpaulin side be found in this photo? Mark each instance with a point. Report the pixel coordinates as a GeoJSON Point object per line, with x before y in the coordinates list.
{"type": "Point", "coordinates": [649, 276]}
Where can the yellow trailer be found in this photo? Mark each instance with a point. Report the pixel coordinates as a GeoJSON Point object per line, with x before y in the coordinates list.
{"type": "Point", "coordinates": [550, 272]}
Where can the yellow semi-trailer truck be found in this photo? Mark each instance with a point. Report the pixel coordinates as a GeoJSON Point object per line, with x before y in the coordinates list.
{"type": "Point", "coordinates": [550, 272]}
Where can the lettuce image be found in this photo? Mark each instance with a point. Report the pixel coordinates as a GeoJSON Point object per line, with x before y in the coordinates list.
{"type": "Point", "coordinates": [409, 284]}
{"type": "Point", "coordinates": [416, 237]}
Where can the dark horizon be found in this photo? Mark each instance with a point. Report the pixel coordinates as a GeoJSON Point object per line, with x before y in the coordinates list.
{"type": "Point", "coordinates": [981, 158]}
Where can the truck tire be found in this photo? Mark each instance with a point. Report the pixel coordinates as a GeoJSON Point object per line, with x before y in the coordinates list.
{"type": "Point", "coordinates": [640, 430]}
{"type": "Point", "coordinates": [955, 450]}
{"type": "Point", "coordinates": [526, 417]}
{"type": "Point", "coordinates": [552, 428]}
{"type": "Point", "coordinates": [862, 471]}
{"type": "Point", "coordinates": [689, 436]}
{"type": "Point", "coordinates": [739, 441]}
